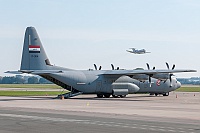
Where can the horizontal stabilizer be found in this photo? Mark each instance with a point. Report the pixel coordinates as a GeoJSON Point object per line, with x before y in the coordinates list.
{"type": "Point", "coordinates": [14, 72]}
{"type": "Point", "coordinates": [39, 72]}
{"type": "Point", "coordinates": [36, 72]}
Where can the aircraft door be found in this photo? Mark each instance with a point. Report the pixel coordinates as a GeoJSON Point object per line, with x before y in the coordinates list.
{"type": "Point", "coordinates": [99, 86]}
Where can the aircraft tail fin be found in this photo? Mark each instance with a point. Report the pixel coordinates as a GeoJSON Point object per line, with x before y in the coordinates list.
{"type": "Point", "coordinates": [33, 56]}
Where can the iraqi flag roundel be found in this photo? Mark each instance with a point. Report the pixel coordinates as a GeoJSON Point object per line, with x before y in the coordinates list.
{"type": "Point", "coordinates": [34, 49]}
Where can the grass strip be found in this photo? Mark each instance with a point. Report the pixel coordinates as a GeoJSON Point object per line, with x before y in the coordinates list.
{"type": "Point", "coordinates": [31, 93]}
{"type": "Point", "coordinates": [189, 89]}
{"type": "Point", "coordinates": [49, 86]}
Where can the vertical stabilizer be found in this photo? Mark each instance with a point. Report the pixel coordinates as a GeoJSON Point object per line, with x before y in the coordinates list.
{"type": "Point", "coordinates": [33, 56]}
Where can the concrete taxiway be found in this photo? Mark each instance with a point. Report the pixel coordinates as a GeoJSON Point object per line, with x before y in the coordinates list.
{"type": "Point", "coordinates": [178, 113]}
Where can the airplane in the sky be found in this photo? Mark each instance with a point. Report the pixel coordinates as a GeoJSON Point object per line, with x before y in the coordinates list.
{"type": "Point", "coordinates": [137, 51]}
{"type": "Point", "coordinates": [104, 83]}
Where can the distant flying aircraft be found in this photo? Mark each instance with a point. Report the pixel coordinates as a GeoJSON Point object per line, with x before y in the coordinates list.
{"type": "Point", "coordinates": [137, 51]}
{"type": "Point", "coordinates": [104, 83]}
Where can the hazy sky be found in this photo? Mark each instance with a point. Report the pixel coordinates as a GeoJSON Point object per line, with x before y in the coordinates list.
{"type": "Point", "coordinates": [78, 33]}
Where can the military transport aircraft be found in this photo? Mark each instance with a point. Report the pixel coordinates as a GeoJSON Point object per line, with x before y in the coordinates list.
{"type": "Point", "coordinates": [116, 82]}
{"type": "Point", "coordinates": [137, 51]}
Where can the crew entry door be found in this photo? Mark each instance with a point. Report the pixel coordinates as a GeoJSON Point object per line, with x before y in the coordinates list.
{"type": "Point", "coordinates": [99, 86]}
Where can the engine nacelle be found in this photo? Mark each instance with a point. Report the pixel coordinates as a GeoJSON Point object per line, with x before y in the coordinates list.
{"type": "Point", "coordinates": [141, 77]}
{"type": "Point", "coordinates": [161, 76]}
{"type": "Point", "coordinates": [124, 88]}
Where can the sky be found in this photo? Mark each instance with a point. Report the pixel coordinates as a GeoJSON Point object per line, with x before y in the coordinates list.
{"type": "Point", "coordinates": [78, 33]}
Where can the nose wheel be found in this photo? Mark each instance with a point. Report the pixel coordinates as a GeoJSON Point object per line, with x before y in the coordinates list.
{"type": "Point", "coordinates": [100, 95]}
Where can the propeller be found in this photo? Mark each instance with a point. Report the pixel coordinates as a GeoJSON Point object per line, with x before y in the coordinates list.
{"type": "Point", "coordinates": [171, 74]}
{"type": "Point", "coordinates": [150, 81]}
{"type": "Point", "coordinates": [95, 66]}
{"type": "Point", "coordinates": [100, 68]}
{"type": "Point", "coordinates": [172, 66]}
{"type": "Point", "coordinates": [113, 68]}
{"type": "Point", "coordinates": [148, 67]}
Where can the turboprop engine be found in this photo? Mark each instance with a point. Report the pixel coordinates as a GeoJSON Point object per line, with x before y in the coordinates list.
{"type": "Point", "coordinates": [162, 76]}
{"type": "Point", "coordinates": [141, 77]}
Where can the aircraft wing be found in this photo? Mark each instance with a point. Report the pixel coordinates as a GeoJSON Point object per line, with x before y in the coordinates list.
{"type": "Point", "coordinates": [14, 72]}
{"type": "Point", "coordinates": [147, 72]}
{"type": "Point", "coordinates": [129, 51]}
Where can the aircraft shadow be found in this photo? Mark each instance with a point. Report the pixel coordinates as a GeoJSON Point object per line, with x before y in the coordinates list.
{"type": "Point", "coordinates": [134, 98]}
{"type": "Point", "coordinates": [31, 98]}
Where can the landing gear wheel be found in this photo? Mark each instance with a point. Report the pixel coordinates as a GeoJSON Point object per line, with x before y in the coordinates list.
{"type": "Point", "coordinates": [100, 95]}
{"type": "Point", "coordinates": [166, 94]}
{"type": "Point", "coordinates": [122, 96]}
{"type": "Point", "coordinates": [156, 94]}
{"type": "Point", "coordinates": [106, 95]}
{"type": "Point", "coordinates": [115, 96]}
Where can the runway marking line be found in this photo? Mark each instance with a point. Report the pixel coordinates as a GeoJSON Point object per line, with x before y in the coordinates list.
{"type": "Point", "coordinates": [101, 123]}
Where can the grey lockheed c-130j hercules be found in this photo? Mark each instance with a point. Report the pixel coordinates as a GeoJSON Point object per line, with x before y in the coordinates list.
{"type": "Point", "coordinates": [104, 83]}
{"type": "Point", "coordinates": [137, 51]}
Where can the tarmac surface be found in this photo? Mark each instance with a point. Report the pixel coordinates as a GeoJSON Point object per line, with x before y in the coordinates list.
{"type": "Point", "coordinates": [141, 113]}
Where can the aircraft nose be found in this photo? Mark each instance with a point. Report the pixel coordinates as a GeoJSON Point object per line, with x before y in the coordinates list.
{"type": "Point", "coordinates": [178, 84]}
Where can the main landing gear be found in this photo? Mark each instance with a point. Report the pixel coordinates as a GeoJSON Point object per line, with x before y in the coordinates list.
{"type": "Point", "coordinates": [166, 94]}
{"type": "Point", "coordinates": [108, 95]}
{"type": "Point", "coordinates": [103, 95]}
{"type": "Point", "coordinates": [156, 94]}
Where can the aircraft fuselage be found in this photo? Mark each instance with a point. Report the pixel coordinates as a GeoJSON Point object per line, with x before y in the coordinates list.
{"type": "Point", "coordinates": [94, 82]}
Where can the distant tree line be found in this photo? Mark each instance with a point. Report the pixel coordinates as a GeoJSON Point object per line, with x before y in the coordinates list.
{"type": "Point", "coordinates": [192, 81]}
{"type": "Point", "coordinates": [18, 79]}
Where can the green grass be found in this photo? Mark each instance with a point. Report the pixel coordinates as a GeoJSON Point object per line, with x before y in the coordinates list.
{"type": "Point", "coordinates": [45, 86]}
{"type": "Point", "coordinates": [30, 93]}
{"type": "Point", "coordinates": [189, 89]}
